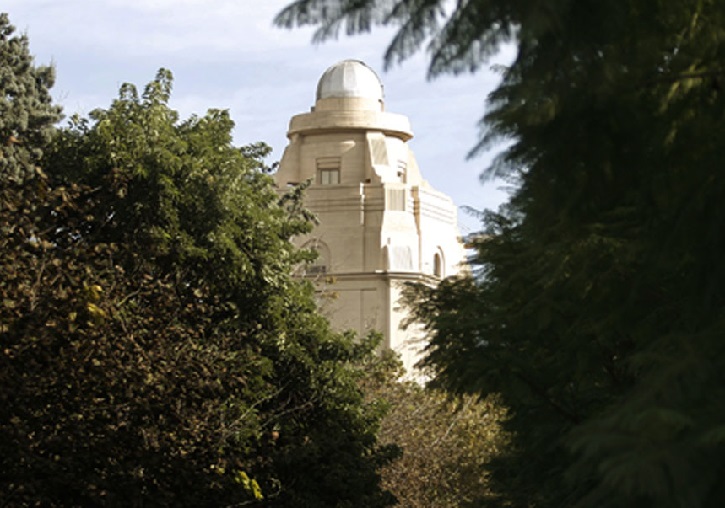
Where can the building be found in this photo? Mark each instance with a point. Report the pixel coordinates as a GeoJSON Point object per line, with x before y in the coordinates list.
{"type": "Point", "coordinates": [380, 223]}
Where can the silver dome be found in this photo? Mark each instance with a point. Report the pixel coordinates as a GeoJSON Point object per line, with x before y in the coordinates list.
{"type": "Point", "coordinates": [350, 78]}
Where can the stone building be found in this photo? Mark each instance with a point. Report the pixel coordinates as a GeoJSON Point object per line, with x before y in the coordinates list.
{"type": "Point", "coordinates": [380, 223]}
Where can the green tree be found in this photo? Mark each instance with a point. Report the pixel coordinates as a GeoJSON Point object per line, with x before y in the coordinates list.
{"type": "Point", "coordinates": [598, 303]}
{"type": "Point", "coordinates": [155, 349]}
{"type": "Point", "coordinates": [27, 114]}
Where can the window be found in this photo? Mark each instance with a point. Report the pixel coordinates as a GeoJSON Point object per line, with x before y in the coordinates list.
{"type": "Point", "coordinates": [320, 266]}
{"type": "Point", "coordinates": [437, 266]}
{"type": "Point", "coordinates": [329, 176]}
{"type": "Point", "coordinates": [328, 170]}
{"type": "Point", "coordinates": [402, 171]}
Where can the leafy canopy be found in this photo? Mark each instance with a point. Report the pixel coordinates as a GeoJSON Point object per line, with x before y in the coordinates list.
{"type": "Point", "coordinates": [154, 348]}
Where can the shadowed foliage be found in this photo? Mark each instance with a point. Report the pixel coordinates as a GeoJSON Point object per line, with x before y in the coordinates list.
{"type": "Point", "coordinates": [597, 309]}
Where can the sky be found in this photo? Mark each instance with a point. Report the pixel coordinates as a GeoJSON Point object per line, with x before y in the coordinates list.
{"type": "Point", "coordinates": [226, 54]}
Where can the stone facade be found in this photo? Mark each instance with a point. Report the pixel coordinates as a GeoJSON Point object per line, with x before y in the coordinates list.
{"type": "Point", "coordinates": [380, 223]}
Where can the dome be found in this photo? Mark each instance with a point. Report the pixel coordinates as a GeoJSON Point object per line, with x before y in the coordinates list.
{"type": "Point", "coordinates": [350, 78]}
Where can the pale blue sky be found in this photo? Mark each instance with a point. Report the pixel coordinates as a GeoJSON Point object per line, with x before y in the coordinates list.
{"type": "Point", "coordinates": [226, 54]}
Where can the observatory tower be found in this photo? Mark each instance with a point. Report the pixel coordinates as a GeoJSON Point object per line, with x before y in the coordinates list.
{"type": "Point", "coordinates": [380, 224]}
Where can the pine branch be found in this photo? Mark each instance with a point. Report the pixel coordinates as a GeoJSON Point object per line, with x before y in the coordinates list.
{"type": "Point", "coordinates": [537, 390]}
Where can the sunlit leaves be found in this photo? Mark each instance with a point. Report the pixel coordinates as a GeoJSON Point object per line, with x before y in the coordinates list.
{"type": "Point", "coordinates": [155, 348]}
{"type": "Point", "coordinates": [26, 113]}
{"type": "Point", "coordinates": [446, 443]}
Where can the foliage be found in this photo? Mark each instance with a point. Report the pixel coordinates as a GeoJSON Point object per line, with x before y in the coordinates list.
{"type": "Point", "coordinates": [446, 442]}
{"type": "Point", "coordinates": [26, 113]}
{"type": "Point", "coordinates": [598, 308]}
{"type": "Point", "coordinates": [155, 349]}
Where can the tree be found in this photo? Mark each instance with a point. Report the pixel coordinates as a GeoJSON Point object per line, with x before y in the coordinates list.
{"type": "Point", "coordinates": [27, 114]}
{"type": "Point", "coordinates": [597, 308]}
{"type": "Point", "coordinates": [445, 442]}
{"type": "Point", "coordinates": [155, 349]}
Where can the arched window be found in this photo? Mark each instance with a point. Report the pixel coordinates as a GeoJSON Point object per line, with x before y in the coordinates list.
{"type": "Point", "coordinates": [321, 265]}
{"type": "Point", "coordinates": [438, 265]}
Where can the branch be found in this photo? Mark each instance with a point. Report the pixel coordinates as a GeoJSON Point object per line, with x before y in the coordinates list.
{"type": "Point", "coordinates": [568, 415]}
{"type": "Point", "coordinates": [671, 78]}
